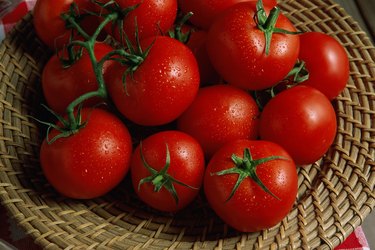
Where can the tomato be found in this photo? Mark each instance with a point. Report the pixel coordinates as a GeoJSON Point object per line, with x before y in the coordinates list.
{"type": "Point", "coordinates": [90, 162]}
{"type": "Point", "coordinates": [49, 25]}
{"type": "Point", "coordinates": [237, 48]}
{"type": "Point", "coordinates": [195, 39]}
{"type": "Point", "coordinates": [151, 17]}
{"type": "Point", "coordinates": [302, 120]}
{"type": "Point", "coordinates": [326, 61]}
{"type": "Point", "coordinates": [251, 207]}
{"type": "Point", "coordinates": [197, 44]}
{"type": "Point", "coordinates": [167, 170]}
{"type": "Point", "coordinates": [162, 86]}
{"type": "Point", "coordinates": [62, 85]}
{"type": "Point", "coordinates": [204, 12]}
{"type": "Point", "coordinates": [219, 114]}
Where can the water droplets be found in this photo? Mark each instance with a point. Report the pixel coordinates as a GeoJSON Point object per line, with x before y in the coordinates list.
{"type": "Point", "coordinates": [85, 172]}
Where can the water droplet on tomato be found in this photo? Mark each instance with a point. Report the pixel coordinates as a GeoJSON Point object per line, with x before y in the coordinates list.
{"type": "Point", "coordinates": [85, 172]}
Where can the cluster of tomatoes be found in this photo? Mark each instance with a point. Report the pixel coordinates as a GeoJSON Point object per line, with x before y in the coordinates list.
{"type": "Point", "coordinates": [238, 97]}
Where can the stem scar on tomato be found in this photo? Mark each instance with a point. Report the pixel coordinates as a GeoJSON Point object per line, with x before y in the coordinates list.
{"type": "Point", "coordinates": [246, 167]}
{"type": "Point", "coordinates": [161, 178]}
{"type": "Point", "coordinates": [267, 23]}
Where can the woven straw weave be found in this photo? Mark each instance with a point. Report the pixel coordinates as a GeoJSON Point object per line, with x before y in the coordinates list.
{"type": "Point", "coordinates": [335, 194]}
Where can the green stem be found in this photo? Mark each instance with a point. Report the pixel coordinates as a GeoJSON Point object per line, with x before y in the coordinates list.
{"type": "Point", "coordinates": [177, 32]}
{"type": "Point", "coordinates": [78, 43]}
{"type": "Point", "coordinates": [71, 20]}
{"type": "Point", "coordinates": [100, 92]}
{"type": "Point", "coordinates": [89, 45]}
{"type": "Point", "coordinates": [132, 59]}
{"type": "Point", "coordinates": [109, 18]}
{"type": "Point", "coordinates": [273, 16]}
{"type": "Point", "coordinates": [73, 122]}
{"type": "Point", "coordinates": [299, 73]}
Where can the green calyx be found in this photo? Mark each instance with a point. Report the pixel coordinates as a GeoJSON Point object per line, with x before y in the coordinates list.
{"type": "Point", "coordinates": [72, 19]}
{"type": "Point", "coordinates": [66, 128]}
{"type": "Point", "coordinates": [267, 23]}
{"type": "Point", "coordinates": [118, 23]}
{"type": "Point", "coordinates": [177, 32]}
{"type": "Point", "coordinates": [132, 58]}
{"type": "Point", "coordinates": [160, 179]}
{"type": "Point", "coordinates": [246, 167]}
{"type": "Point", "coordinates": [75, 14]}
{"type": "Point", "coordinates": [73, 56]}
{"type": "Point", "coordinates": [131, 55]}
{"type": "Point", "coordinates": [299, 73]}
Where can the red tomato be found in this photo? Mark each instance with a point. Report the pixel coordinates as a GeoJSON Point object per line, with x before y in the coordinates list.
{"type": "Point", "coordinates": [251, 208]}
{"type": "Point", "coordinates": [237, 48]}
{"type": "Point", "coordinates": [63, 85]}
{"type": "Point", "coordinates": [90, 162]}
{"type": "Point", "coordinates": [172, 160]}
{"type": "Point", "coordinates": [197, 44]}
{"type": "Point", "coordinates": [151, 16]}
{"type": "Point", "coordinates": [326, 61]}
{"type": "Point", "coordinates": [219, 114]}
{"type": "Point", "coordinates": [302, 120]}
{"type": "Point", "coordinates": [205, 11]}
{"type": "Point", "coordinates": [161, 88]}
{"type": "Point", "coordinates": [51, 28]}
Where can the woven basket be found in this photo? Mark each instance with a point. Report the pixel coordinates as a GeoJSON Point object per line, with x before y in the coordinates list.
{"type": "Point", "coordinates": [335, 194]}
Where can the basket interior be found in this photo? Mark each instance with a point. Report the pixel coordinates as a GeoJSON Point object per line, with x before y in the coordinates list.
{"type": "Point", "coordinates": [335, 194]}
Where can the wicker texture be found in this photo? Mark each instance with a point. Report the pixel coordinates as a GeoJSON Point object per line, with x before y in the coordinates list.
{"type": "Point", "coordinates": [335, 194]}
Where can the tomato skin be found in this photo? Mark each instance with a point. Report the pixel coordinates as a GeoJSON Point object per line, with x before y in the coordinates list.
{"type": "Point", "coordinates": [161, 88]}
{"type": "Point", "coordinates": [251, 208]}
{"type": "Point", "coordinates": [206, 11]}
{"type": "Point", "coordinates": [197, 44]}
{"type": "Point", "coordinates": [152, 17]}
{"type": "Point", "coordinates": [219, 114]}
{"type": "Point", "coordinates": [91, 162]}
{"type": "Point", "coordinates": [302, 120]}
{"type": "Point", "coordinates": [49, 25]}
{"type": "Point", "coordinates": [326, 61]}
{"type": "Point", "coordinates": [236, 48]}
{"type": "Point", "coordinates": [186, 165]}
{"type": "Point", "coordinates": [62, 85]}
